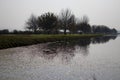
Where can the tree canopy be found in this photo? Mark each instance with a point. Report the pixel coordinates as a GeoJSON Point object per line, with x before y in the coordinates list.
{"type": "Point", "coordinates": [47, 22]}
{"type": "Point", "coordinates": [66, 21]}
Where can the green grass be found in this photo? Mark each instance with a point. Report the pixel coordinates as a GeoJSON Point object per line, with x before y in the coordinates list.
{"type": "Point", "coordinates": [8, 41]}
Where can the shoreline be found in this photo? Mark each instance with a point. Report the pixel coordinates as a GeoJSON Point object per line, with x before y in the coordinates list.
{"type": "Point", "coordinates": [11, 41]}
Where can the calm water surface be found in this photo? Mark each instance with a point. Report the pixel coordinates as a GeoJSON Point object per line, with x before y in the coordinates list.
{"type": "Point", "coordinates": [85, 59]}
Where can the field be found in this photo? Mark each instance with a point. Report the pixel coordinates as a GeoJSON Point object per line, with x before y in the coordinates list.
{"type": "Point", "coordinates": [8, 41]}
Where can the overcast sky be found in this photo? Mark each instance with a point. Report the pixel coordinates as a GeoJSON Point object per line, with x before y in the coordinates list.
{"type": "Point", "coordinates": [14, 13]}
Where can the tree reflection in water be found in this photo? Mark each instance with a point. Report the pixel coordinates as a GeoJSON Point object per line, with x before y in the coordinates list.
{"type": "Point", "coordinates": [65, 50]}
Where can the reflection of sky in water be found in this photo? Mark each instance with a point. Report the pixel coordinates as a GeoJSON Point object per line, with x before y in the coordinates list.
{"type": "Point", "coordinates": [72, 60]}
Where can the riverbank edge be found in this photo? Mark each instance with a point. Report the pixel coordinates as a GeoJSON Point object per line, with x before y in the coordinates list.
{"type": "Point", "coordinates": [10, 41]}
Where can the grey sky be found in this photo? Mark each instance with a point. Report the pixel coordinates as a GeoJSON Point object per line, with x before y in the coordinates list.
{"type": "Point", "coordinates": [14, 13]}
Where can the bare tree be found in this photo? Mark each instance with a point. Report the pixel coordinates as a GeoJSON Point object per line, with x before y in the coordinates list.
{"type": "Point", "coordinates": [85, 19]}
{"type": "Point", "coordinates": [72, 24]}
{"type": "Point", "coordinates": [65, 18]}
{"type": "Point", "coordinates": [83, 25]}
{"type": "Point", "coordinates": [32, 24]}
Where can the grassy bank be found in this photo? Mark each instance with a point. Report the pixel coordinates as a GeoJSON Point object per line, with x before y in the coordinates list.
{"type": "Point", "coordinates": [8, 41]}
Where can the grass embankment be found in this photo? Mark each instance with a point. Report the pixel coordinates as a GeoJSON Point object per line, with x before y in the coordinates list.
{"type": "Point", "coordinates": [8, 41]}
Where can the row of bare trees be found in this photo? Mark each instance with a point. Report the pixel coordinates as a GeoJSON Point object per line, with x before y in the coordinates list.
{"type": "Point", "coordinates": [49, 23]}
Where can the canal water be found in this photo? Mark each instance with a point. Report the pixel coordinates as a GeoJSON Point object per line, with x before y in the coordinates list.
{"type": "Point", "coordinates": [82, 59]}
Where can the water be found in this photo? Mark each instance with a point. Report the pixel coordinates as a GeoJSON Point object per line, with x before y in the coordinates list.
{"type": "Point", "coordinates": [85, 59]}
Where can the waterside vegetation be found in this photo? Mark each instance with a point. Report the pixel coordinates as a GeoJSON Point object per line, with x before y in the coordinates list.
{"type": "Point", "coordinates": [8, 41]}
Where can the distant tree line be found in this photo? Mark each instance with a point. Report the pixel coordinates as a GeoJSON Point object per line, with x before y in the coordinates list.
{"type": "Point", "coordinates": [103, 29]}
{"type": "Point", "coordinates": [6, 31]}
{"type": "Point", "coordinates": [65, 22]}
